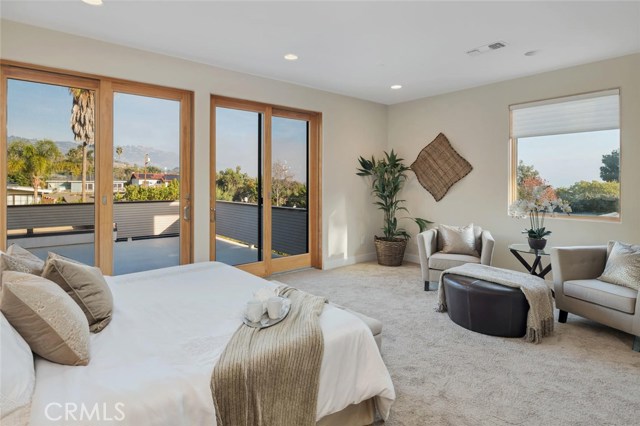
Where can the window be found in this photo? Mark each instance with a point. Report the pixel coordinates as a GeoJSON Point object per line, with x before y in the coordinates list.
{"type": "Point", "coordinates": [571, 147]}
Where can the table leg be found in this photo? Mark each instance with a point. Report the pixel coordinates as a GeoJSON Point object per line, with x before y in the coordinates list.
{"type": "Point", "coordinates": [521, 259]}
{"type": "Point", "coordinates": [535, 265]}
{"type": "Point", "coordinates": [545, 271]}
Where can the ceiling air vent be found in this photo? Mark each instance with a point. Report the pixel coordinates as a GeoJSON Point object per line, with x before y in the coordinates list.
{"type": "Point", "coordinates": [487, 48]}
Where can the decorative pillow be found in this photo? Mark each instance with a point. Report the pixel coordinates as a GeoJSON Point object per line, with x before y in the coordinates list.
{"type": "Point", "coordinates": [18, 376]}
{"type": "Point", "coordinates": [86, 286]}
{"type": "Point", "coordinates": [46, 317]}
{"type": "Point", "coordinates": [623, 266]}
{"type": "Point", "coordinates": [457, 240]}
{"type": "Point", "coordinates": [18, 259]}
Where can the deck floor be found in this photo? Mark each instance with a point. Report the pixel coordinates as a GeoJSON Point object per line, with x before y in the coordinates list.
{"type": "Point", "coordinates": [143, 255]}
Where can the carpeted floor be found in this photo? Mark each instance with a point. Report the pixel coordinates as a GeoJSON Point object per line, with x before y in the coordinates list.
{"type": "Point", "coordinates": [585, 374]}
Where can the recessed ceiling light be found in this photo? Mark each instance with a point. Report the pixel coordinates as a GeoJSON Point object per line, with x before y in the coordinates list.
{"type": "Point", "coordinates": [93, 2]}
{"type": "Point", "coordinates": [291, 57]}
{"type": "Point", "coordinates": [531, 53]}
{"type": "Point", "coordinates": [396, 87]}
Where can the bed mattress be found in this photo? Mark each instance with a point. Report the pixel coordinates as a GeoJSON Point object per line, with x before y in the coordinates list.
{"type": "Point", "coordinates": [152, 365]}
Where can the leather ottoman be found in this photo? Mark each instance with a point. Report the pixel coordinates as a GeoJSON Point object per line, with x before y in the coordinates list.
{"type": "Point", "coordinates": [486, 307]}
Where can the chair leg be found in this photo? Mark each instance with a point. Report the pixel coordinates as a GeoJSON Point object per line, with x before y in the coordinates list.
{"type": "Point", "coordinates": [426, 286]}
{"type": "Point", "coordinates": [562, 317]}
{"type": "Point", "coordinates": [636, 343]}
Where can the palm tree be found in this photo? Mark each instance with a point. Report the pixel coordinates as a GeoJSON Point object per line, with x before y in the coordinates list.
{"type": "Point", "coordinates": [118, 152]}
{"type": "Point", "coordinates": [34, 162]}
{"type": "Point", "coordinates": [82, 126]}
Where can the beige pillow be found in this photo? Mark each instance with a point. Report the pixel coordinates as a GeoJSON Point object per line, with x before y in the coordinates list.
{"type": "Point", "coordinates": [18, 259]}
{"type": "Point", "coordinates": [86, 286]}
{"type": "Point", "coordinates": [623, 266]}
{"type": "Point", "coordinates": [457, 239]}
{"type": "Point", "coordinates": [46, 317]}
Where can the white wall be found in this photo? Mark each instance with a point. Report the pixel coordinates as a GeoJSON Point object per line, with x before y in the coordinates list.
{"type": "Point", "coordinates": [476, 121]}
{"type": "Point", "coordinates": [351, 127]}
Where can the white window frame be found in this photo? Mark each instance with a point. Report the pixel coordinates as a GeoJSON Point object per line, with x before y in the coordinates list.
{"type": "Point", "coordinates": [612, 121]}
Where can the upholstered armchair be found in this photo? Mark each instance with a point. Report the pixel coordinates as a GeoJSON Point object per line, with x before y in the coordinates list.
{"type": "Point", "coordinates": [577, 290]}
{"type": "Point", "coordinates": [433, 261]}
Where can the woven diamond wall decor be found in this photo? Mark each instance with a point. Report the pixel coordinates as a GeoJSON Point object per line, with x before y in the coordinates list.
{"type": "Point", "coordinates": [438, 167]}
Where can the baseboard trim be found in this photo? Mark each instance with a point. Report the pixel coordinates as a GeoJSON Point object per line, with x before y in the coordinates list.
{"type": "Point", "coordinates": [352, 260]}
{"type": "Point", "coordinates": [413, 258]}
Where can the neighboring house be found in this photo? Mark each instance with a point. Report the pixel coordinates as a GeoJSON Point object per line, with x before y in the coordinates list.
{"type": "Point", "coordinates": [75, 186]}
{"type": "Point", "coordinates": [22, 195]}
{"type": "Point", "coordinates": [152, 179]}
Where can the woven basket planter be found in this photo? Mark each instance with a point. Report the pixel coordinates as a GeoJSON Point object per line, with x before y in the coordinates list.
{"type": "Point", "coordinates": [390, 253]}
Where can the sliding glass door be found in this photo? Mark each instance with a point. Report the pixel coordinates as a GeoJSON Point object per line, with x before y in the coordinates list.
{"type": "Point", "coordinates": [95, 169]}
{"type": "Point", "coordinates": [238, 182]}
{"type": "Point", "coordinates": [50, 166]}
{"type": "Point", "coordinates": [264, 211]}
{"type": "Point", "coordinates": [146, 182]}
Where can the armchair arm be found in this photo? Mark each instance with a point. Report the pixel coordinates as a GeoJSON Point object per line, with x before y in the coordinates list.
{"type": "Point", "coordinates": [427, 245]}
{"type": "Point", "coordinates": [487, 248]}
{"type": "Point", "coordinates": [577, 263]}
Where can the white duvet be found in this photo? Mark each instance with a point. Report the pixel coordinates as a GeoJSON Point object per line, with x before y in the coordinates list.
{"type": "Point", "coordinates": [152, 365]}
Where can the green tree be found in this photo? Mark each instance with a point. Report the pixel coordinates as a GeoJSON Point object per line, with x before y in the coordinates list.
{"type": "Point", "coordinates": [119, 151]}
{"type": "Point", "coordinates": [525, 172]}
{"type": "Point", "coordinates": [72, 162]}
{"type": "Point", "coordinates": [29, 163]}
{"type": "Point", "coordinates": [527, 179]}
{"type": "Point", "coordinates": [83, 126]}
{"type": "Point", "coordinates": [610, 169]}
{"type": "Point", "coordinates": [170, 192]}
{"type": "Point", "coordinates": [233, 185]}
{"type": "Point", "coordinates": [297, 196]}
{"type": "Point", "coordinates": [593, 197]}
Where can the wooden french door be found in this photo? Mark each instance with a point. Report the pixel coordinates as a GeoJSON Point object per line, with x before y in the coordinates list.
{"type": "Point", "coordinates": [265, 186]}
{"type": "Point", "coordinates": [72, 212]}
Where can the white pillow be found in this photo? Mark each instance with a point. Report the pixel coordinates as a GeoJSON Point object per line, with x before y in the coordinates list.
{"type": "Point", "coordinates": [17, 374]}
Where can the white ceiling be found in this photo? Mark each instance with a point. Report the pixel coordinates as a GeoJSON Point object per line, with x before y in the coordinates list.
{"type": "Point", "coordinates": [357, 48]}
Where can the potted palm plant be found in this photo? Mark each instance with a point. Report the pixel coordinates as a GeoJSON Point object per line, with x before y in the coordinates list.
{"type": "Point", "coordinates": [388, 176]}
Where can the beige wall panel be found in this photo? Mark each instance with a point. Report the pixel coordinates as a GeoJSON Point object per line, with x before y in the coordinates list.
{"type": "Point", "coordinates": [476, 121]}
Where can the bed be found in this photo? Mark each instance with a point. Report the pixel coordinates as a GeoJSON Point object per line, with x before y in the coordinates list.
{"type": "Point", "coordinates": [152, 365]}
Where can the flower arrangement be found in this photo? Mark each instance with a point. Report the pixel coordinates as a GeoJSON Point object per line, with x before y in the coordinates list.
{"type": "Point", "coordinates": [541, 203]}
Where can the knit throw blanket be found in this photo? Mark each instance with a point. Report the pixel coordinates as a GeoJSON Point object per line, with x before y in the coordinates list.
{"type": "Point", "coordinates": [270, 376]}
{"type": "Point", "coordinates": [540, 316]}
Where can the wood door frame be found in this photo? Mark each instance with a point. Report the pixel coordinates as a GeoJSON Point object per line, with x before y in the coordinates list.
{"type": "Point", "coordinates": [186, 152]}
{"type": "Point", "coordinates": [105, 88]}
{"type": "Point", "coordinates": [268, 265]}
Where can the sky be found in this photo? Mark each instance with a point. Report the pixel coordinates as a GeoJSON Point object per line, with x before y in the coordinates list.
{"type": "Point", "coordinates": [237, 142]}
{"type": "Point", "coordinates": [42, 111]}
{"type": "Point", "coordinates": [565, 159]}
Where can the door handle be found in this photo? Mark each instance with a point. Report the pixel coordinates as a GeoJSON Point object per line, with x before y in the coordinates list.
{"type": "Point", "coordinates": [186, 213]}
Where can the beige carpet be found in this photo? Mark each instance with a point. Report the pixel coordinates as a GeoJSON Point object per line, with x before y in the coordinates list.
{"type": "Point", "coordinates": [585, 374]}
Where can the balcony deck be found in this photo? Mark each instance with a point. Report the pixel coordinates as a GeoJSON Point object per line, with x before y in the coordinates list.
{"type": "Point", "coordinates": [143, 255]}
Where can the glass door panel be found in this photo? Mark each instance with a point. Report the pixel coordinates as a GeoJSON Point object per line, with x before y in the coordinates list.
{"type": "Point", "coordinates": [51, 169]}
{"type": "Point", "coordinates": [238, 183]}
{"type": "Point", "coordinates": [146, 183]}
{"type": "Point", "coordinates": [289, 187]}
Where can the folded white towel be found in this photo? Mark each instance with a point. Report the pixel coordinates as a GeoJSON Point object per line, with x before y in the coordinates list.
{"type": "Point", "coordinates": [264, 294]}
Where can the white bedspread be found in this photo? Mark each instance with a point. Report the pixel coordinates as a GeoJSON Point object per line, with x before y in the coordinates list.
{"type": "Point", "coordinates": [152, 365]}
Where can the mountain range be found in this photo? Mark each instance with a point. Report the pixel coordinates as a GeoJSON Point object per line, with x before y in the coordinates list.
{"type": "Point", "coordinates": [131, 154]}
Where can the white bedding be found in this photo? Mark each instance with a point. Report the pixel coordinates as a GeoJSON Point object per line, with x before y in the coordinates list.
{"type": "Point", "coordinates": [152, 365]}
